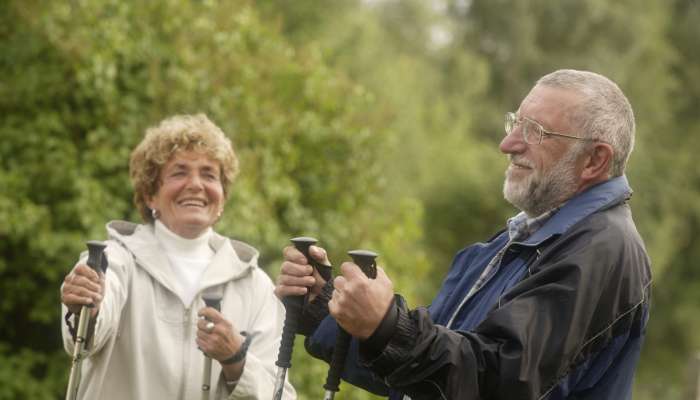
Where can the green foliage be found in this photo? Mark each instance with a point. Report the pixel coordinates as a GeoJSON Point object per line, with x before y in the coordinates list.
{"type": "Point", "coordinates": [84, 79]}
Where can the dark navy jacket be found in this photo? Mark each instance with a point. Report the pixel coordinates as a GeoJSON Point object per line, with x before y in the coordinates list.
{"type": "Point", "coordinates": [562, 317]}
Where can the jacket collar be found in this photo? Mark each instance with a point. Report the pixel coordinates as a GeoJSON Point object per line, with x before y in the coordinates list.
{"type": "Point", "coordinates": [232, 259]}
{"type": "Point", "coordinates": [599, 197]}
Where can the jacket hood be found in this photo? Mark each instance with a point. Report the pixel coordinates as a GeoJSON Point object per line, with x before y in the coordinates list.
{"type": "Point", "coordinates": [232, 260]}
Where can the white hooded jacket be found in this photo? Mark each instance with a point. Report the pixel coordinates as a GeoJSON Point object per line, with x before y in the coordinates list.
{"type": "Point", "coordinates": [144, 341]}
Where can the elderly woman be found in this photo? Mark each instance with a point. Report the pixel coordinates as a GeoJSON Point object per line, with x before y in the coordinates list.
{"type": "Point", "coordinates": [149, 326]}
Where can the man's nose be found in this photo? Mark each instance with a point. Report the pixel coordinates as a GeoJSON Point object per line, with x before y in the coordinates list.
{"type": "Point", "coordinates": [513, 143]}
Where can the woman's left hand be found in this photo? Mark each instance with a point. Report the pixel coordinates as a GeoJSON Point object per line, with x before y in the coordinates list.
{"type": "Point", "coordinates": [220, 341]}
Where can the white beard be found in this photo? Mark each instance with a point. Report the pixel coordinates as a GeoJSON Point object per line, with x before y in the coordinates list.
{"type": "Point", "coordinates": [541, 191]}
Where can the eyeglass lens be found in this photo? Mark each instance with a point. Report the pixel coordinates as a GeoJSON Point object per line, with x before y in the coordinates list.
{"type": "Point", "coordinates": [527, 128]}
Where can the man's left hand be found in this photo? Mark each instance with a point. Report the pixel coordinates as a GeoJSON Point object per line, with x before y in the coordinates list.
{"type": "Point", "coordinates": [359, 303]}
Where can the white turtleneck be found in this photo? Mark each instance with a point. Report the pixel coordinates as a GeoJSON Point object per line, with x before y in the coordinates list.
{"type": "Point", "coordinates": [188, 258]}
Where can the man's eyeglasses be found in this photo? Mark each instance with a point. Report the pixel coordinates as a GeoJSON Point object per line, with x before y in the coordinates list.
{"type": "Point", "coordinates": [531, 130]}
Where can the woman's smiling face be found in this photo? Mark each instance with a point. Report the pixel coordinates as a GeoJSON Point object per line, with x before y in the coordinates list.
{"type": "Point", "coordinates": [190, 196]}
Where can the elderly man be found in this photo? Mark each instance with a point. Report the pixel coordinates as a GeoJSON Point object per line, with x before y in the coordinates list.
{"type": "Point", "coordinates": [553, 307]}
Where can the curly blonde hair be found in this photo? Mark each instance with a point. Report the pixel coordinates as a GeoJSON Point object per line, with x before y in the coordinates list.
{"type": "Point", "coordinates": [162, 142]}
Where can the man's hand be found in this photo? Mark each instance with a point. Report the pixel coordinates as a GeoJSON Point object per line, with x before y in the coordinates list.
{"type": "Point", "coordinates": [359, 303]}
{"type": "Point", "coordinates": [83, 286]}
{"type": "Point", "coordinates": [297, 277]}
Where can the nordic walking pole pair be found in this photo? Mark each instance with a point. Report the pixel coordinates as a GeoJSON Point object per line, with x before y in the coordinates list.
{"type": "Point", "coordinates": [97, 261]}
{"type": "Point", "coordinates": [293, 306]}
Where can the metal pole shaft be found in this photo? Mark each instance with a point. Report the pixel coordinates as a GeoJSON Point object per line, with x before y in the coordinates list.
{"type": "Point", "coordinates": [78, 349]}
{"type": "Point", "coordinates": [279, 383]}
{"type": "Point", "coordinates": [206, 378]}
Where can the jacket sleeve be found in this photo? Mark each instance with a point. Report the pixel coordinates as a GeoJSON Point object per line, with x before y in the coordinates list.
{"type": "Point", "coordinates": [258, 378]}
{"type": "Point", "coordinates": [107, 322]}
{"type": "Point", "coordinates": [583, 292]}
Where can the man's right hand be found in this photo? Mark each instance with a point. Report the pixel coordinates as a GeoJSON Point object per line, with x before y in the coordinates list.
{"type": "Point", "coordinates": [83, 286]}
{"type": "Point", "coordinates": [297, 277]}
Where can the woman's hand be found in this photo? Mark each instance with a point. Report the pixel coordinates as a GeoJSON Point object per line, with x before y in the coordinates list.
{"type": "Point", "coordinates": [297, 277]}
{"type": "Point", "coordinates": [83, 286]}
{"type": "Point", "coordinates": [218, 339]}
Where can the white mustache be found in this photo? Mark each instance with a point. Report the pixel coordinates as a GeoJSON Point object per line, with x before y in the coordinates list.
{"type": "Point", "coordinates": [522, 161]}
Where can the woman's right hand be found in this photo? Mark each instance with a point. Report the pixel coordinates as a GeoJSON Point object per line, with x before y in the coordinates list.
{"type": "Point", "coordinates": [82, 286]}
{"type": "Point", "coordinates": [297, 277]}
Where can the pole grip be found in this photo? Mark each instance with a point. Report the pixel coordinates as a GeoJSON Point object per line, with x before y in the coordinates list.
{"type": "Point", "coordinates": [293, 306]}
{"type": "Point", "coordinates": [97, 260]}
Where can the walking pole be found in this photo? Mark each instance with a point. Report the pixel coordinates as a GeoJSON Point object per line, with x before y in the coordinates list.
{"type": "Point", "coordinates": [212, 298]}
{"type": "Point", "coordinates": [293, 306]}
{"type": "Point", "coordinates": [96, 261]}
{"type": "Point", "coordinates": [365, 259]}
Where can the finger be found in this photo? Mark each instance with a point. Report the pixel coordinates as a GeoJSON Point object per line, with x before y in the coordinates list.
{"type": "Point", "coordinates": [294, 269]}
{"type": "Point", "coordinates": [85, 283]}
{"type": "Point", "coordinates": [87, 272]}
{"type": "Point", "coordinates": [203, 342]}
{"type": "Point", "coordinates": [284, 291]}
{"type": "Point", "coordinates": [210, 314]}
{"type": "Point", "coordinates": [291, 253]}
{"type": "Point", "coordinates": [82, 292]}
{"type": "Point", "coordinates": [339, 283]}
{"type": "Point", "coordinates": [333, 307]}
{"type": "Point", "coordinates": [319, 254]}
{"type": "Point", "coordinates": [296, 280]}
{"type": "Point", "coordinates": [73, 300]}
{"type": "Point", "coordinates": [351, 271]}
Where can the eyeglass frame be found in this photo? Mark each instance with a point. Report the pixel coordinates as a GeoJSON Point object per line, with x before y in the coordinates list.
{"type": "Point", "coordinates": [517, 120]}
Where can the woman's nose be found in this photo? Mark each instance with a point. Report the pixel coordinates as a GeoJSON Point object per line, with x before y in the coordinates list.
{"type": "Point", "coordinates": [195, 182]}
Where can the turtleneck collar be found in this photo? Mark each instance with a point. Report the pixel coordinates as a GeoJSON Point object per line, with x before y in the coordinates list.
{"type": "Point", "coordinates": [178, 246]}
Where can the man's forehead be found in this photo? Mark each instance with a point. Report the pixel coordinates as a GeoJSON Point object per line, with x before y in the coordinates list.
{"type": "Point", "coordinates": [546, 103]}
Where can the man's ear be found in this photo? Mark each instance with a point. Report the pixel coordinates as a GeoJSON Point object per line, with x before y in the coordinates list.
{"type": "Point", "coordinates": [596, 166]}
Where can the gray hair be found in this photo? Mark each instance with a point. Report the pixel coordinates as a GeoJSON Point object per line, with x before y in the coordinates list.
{"type": "Point", "coordinates": [604, 114]}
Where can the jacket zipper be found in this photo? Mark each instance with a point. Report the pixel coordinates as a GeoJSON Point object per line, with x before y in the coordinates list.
{"type": "Point", "coordinates": [185, 355]}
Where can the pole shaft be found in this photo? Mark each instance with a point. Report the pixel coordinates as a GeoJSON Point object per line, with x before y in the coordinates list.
{"type": "Point", "coordinates": [279, 383]}
{"type": "Point", "coordinates": [78, 349]}
{"type": "Point", "coordinates": [206, 378]}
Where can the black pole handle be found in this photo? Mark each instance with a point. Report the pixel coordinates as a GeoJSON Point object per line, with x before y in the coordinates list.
{"type": "Point", "coordinates": [97, 260]}
{"type": "Point", "coordinates": [364, 259]}
{"type": "Point", "coordinates": [212, 298]}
